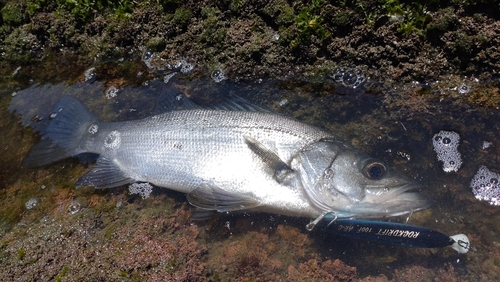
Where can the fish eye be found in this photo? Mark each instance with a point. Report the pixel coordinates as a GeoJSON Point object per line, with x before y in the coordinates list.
{"type": "Point", "coordinates": [374, 170]}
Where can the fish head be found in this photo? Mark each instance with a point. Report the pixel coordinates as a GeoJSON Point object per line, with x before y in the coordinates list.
{"type": "Point", "coordinates": [341, 179]}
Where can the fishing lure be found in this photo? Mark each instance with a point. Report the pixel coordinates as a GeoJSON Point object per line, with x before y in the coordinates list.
{"type": "Point", "coordinates": [395, 233]}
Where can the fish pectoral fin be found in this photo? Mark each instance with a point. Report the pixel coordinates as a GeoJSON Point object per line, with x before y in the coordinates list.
{"type": "Point", "coordinates": [213, 198]}
{"type": "Point", "coordinates": [281, 170]}
{"type": "Point", "coordinates": [105, 174]}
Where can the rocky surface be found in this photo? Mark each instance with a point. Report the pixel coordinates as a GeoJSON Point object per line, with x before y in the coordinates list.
{"type": "Point", "coordinates": [442, 56]}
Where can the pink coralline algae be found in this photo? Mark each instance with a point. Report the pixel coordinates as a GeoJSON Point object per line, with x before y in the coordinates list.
{"type": "Point", "coordinates": [485, 186]}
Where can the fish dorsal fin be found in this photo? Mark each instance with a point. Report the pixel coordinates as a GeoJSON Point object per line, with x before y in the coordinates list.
{"type": "Point", "coordinates": [237, 103]}
{"type": "Point", "coordinates": [210, 197]}
{"type": "Point", "coordinates": [172, 99]}
{"type": "Point", "coordinates": [281, 170]}
{"type": "Point", "coordinates": [105, 174]}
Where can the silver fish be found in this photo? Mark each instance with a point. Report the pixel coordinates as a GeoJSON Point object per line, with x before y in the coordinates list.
{"type": "Point", "coordinates": [240, 158]}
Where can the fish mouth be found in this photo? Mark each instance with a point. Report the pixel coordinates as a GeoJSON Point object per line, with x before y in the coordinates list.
{"type": "Point", "coordinates": [394, 202]}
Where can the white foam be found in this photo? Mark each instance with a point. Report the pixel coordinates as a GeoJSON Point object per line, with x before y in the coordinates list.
{"type": "Point", "coordinates": [446, 147]}
{"type": "Point", "coordinates": [93, 128]}
{"type": "Point", "coordinates": [143, 189]}
{"type": "Point", "coordinates": [31, 203]}
{"type": "Point", "coordinates": [90, 74]}
{"type": "Point", "coordinates": [485, 186]}
{"type": "Point", "coordinates": [111, 92]}
{"type": "Point", "coordinates": [218, 76]}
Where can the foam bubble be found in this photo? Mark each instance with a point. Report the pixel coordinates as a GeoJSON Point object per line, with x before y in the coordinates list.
{"type": "Point", "coordinates": [486, 186]}
{"type": "Point", "coordinates": [186, 67]}
{"type": "Point", "coordinates": [111, 92]}
{"type": "Point", "coordinates": [352, 79]}
{"type": "Point", "coordinates": [74, 207]}
{"type": "Point", "coordinates": [446, 147]}
{"type": "Point", "coordinates": [93, 128]}
{"type": "Point", "coordinates": [147, 58]}
{"type": "Point", "coordinates": [90, 74]}
{"type": "Point", "coordinates": [31, 203]}
{"type": "Point", "coordinates": [143, 189]}
{"type": "Point", "coordinates": [218, 76]}
{"type": "Point", "coordinates": [463, 89]}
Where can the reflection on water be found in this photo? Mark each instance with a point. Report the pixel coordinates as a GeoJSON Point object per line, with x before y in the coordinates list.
{"type": "Point", "coordinates": [401, 130]}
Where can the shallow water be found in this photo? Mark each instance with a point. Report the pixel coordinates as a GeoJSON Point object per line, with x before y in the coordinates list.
{"type": "Point", "coordinates": [395, 125]}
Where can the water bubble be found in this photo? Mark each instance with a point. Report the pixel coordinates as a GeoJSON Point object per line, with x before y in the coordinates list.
{"type": "Point", "coordinates": [31, 203]}
{"type": "Point", "coordinates": [111, 92]}
{"type": "Point", "coordinates": [143, 189]}
{"type": "Point", "coordinates": [14, 94]}
{"type": "Point", "coordinates": [147, 58]}
{"type": "Point", "coordinates": [218, 76]}
{"type": "Point", "coordinates": [52, 116]}
{"type": "Point", "coordinates": [283, 102]}
{"type": "Point", "coordinates": [351, 79]}
{"type": "Point", "coordinates": [338, 75]}
{"type": "Point", "coordinates": [446, 147]}
{"type": "Point", "coordinates": [93, 128]}
{"type": "Point", "coordinates": [463, 89]}
{"type": "Point", "coordinates": [74, 207]}
{"type": "Point", "coordinates": [276, 37]}
{"type": "Point", "coordinates": [90, 75]}
{"type": "Point", "coordinates": [404, 154]}
{"type": "Point", "coordinates": [485, 186]}
{"type": "Point", "coordinates": [147, 55]}
{"type": "Point", "coordinates": [186, 67]}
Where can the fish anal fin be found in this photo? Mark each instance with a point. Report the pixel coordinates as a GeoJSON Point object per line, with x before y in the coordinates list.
{"type": "Point", "coordinates": [105, 174]}
{"type": "Point", "coordinates": [213, 198]}
{"type": "Point", "coordinates": [282, 171]}
{"type": "Point", "coordinates": [198, 214]}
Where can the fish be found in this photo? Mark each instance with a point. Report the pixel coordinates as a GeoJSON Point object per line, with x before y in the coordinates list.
{"type": "Point", "coordinates": [233, 157]}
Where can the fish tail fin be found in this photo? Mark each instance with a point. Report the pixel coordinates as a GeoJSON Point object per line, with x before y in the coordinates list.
{"type": "Point", "coordinates": [61, 139]}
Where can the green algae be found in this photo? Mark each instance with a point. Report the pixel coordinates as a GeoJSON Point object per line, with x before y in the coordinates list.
{"type": "Point", "coordinates": [61, 274]}
{"type": "Point", "coordinates": [21, 254]}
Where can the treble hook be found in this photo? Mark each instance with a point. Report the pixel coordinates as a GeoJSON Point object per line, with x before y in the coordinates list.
{"type": "Point", "coordinates": [313, 223]}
